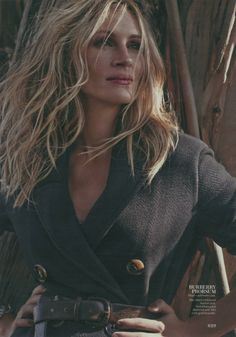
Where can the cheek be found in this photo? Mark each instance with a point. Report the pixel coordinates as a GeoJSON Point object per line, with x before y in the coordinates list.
{"type": "Point", "coordinates": [92, 66]}
{"type": "Point", "coordinates": [97, 72]}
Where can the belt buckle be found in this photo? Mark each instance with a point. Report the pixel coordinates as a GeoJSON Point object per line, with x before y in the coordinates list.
{"type": "Point", "coordinates": [106, 313]}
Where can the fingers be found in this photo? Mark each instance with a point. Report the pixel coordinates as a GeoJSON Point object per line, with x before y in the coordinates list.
{"type": "Point", "coordinates": [24, 315]}
{"type": "Point", "coordinates": [136, 334]}
{"type": "Point", "coordinates": [26, 311]}
{"type": "Point", "coordinates": [149, 327]}
{"type": "Point", "coordinates": [36, 294]}
{"type": "Point", "coordinates": [23, 323]}
{"type": "Point", "coordinates": [141, 324]}
{"type": "Point", "coordinates": [33, 299]}
{"type": "Point", "coordinates": [160, 306]}
{"type": "Point", "coordinates": [39, 290]}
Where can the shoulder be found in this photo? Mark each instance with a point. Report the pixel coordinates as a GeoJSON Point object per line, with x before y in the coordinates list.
{"type": "Point", "coordinates": [182, 170]}
{"type": "Point", "coordinates": [193, 159]}
{"type": "Point", "coordinates": [189, 147]}
{"type": "Point", "coordinates": [188, 153]}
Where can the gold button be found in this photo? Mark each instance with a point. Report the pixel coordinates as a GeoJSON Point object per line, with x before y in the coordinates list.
{"type": "Point", "coordinates": [40, 273]}
{"type": "Point", "coordinates": [135, 267]}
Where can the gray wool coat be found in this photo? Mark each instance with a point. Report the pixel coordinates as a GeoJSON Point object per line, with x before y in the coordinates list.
{"type": "Point", "coordinates": [191, 197]}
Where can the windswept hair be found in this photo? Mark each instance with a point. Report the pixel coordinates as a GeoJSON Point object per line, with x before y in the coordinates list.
{"type": "Point", "coordinates": [40, 101]}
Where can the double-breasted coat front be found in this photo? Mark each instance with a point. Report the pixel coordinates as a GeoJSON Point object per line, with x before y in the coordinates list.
{"type": "Point", "coordinates": [137, 240]}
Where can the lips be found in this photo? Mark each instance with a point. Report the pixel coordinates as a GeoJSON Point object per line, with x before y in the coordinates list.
{"type": "Point", "coordinates": [120, 79]}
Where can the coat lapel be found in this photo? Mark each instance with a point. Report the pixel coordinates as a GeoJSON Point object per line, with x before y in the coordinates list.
{"type": "Point", "coordinates": [78, 242]}
{"type": "Point", "coordinates": [121, 187]}
{"type": "Point", "coordinates": [57, 216]}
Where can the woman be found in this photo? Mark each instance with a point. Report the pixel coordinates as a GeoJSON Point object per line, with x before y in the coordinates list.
{"type": "Point", "coordinates": [107, 199]}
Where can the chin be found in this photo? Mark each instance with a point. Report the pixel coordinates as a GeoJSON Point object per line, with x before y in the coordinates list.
{"type": "Point", "coordinates": [122, 100]}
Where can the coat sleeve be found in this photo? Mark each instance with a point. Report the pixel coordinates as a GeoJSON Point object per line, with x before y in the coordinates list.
{"type": "Point", "coordinates": [216, 206]}
{"type": "Point", "coordinates": [16, 282]}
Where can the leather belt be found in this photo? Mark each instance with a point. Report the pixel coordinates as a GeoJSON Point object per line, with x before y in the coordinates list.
{"type": "Point", "coordinates": [97, 312]}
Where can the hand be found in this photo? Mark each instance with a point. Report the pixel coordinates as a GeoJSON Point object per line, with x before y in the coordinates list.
{"type": "Point", "coordinates": [24, 317]}
{"type": "Point", "coordinates": [168, 326]}
{"type": "Point", "coordinates": [149, 328]}
{"type": "Point", "coordinates": [6, 322]}
{"type": "Point", "coordinates": [174, 327]}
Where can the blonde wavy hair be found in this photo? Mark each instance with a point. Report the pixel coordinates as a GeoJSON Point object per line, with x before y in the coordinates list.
{"type": "Point", "coordinates": [41, 109]}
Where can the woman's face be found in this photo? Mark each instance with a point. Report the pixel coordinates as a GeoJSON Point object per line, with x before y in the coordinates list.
{"type": "Point", "coordinates": [115, 66]}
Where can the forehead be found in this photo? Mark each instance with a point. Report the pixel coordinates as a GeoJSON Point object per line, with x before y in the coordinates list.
{"type": "Point", "coordinates": [121, 22]}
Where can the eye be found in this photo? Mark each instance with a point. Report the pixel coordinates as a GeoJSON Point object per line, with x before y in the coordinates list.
{"type": "Point", "coordinates": [134, 45]}
{"type": "Point", "coordinates": [102, 41]}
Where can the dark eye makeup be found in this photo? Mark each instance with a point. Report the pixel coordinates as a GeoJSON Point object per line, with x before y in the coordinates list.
{"type": "Point", "coordinates": [134, 45]}
{"type": "Point", "coordinates": [110, 42]}
{"type": "Point", "coordinates": [102, 41]}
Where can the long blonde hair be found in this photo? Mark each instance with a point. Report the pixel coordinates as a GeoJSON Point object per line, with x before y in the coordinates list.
{"type": "Point", "coordinates": [41, 109]}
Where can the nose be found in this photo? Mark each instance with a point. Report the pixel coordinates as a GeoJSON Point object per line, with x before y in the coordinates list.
{"type": "Point", "coordinates": [125, 62]}
{"type": "Point", "coordinates": [122, 58]}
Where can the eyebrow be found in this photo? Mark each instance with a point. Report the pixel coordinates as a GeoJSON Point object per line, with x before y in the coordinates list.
{"type": "Point", "coordinates": [109, 32]}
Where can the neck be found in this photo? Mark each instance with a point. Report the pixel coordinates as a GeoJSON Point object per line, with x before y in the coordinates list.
{"type": "Point", "coordinates": [100, 123]}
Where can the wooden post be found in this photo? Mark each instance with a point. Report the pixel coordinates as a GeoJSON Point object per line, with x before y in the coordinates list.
{"type": "Point", "coordinates": [182, 64]}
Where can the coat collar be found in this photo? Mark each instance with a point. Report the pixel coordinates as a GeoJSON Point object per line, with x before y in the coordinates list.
{"type": "Point", "coordinates": [120, 188]}
{"type": "Point", "coordinates": [55, 210]}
